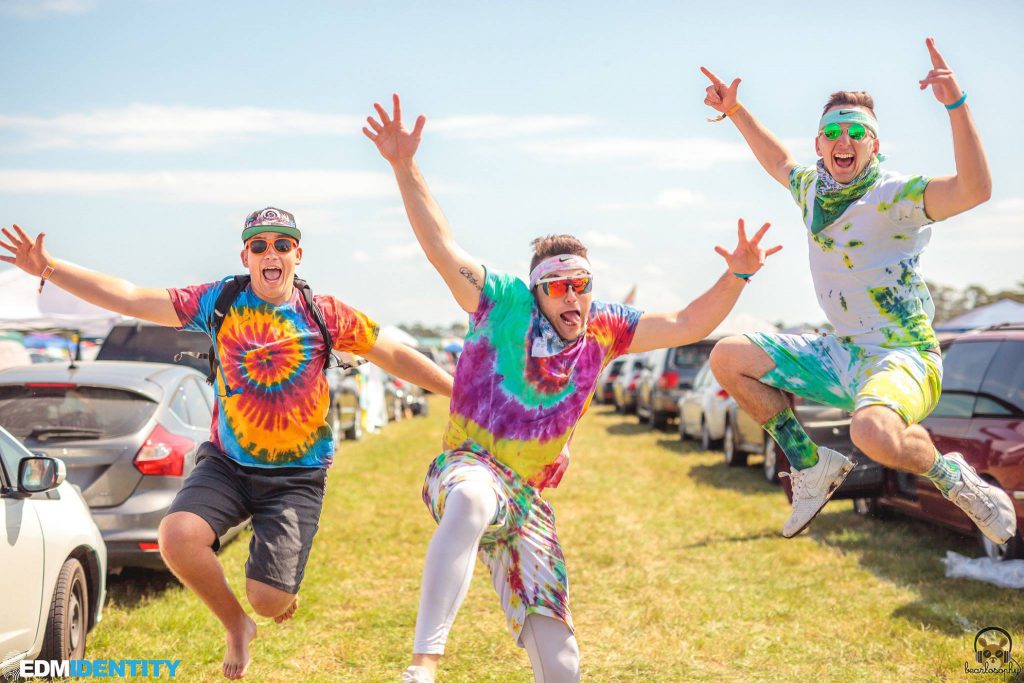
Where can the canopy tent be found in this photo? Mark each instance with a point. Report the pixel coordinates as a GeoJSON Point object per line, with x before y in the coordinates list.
{"type": "Point", "coordinates": [741, 323]}
{"type": "Point", "coordinates": [22, 307]}
{"type": "Point", "coordinates": [396, 334]}
{"type": "Point", "coordinates": [1002, 311]}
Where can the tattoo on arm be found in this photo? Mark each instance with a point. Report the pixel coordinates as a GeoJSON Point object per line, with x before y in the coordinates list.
{"type": "Point", "coordinates": [468, 274]}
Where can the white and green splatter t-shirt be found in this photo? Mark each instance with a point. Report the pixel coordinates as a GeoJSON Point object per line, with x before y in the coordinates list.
{"type": "Point", "coordinates": [865, 263]}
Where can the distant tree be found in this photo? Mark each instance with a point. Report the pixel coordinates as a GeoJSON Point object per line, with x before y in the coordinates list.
{"type": "Point", "coordinates": [951, 302]}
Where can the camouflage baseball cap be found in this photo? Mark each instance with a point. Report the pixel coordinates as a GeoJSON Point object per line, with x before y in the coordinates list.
{"type": "Point", "coordinates": [270, 220]}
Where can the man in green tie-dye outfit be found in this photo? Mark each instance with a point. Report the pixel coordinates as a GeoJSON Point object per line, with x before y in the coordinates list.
{"type": "Point", "coordinates": [866, 228]}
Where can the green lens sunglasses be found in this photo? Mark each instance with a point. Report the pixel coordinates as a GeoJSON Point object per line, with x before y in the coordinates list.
{"type": "Point", "coordinates": [833, 131]}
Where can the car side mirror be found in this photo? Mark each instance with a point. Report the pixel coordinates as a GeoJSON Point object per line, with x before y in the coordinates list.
{"type": "Point", "coordinates": [39, 474]}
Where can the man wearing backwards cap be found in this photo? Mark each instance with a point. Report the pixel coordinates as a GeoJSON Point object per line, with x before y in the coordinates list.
{"type": "Point", "coordinates": [866, 228]}
{"type": "Point", "coordinates": [527, 373]}
{"type": "Point", "coordinates": [270, 443]}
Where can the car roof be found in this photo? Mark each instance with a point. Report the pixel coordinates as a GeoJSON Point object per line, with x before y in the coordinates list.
{"type": "Point", "coordinates": [1006, 331]}
{"type": "Point", "coordinates": [149, 379]}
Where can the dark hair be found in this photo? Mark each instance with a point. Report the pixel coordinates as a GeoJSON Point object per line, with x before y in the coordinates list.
{"type": "Point", "coordinates": [553, 245]}
{"type": "Point", "coordinates": [850, 98]}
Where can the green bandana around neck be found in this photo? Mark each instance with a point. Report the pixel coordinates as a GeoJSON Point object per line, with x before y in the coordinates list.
{"type": "Point", "coordinates": [831, 198]}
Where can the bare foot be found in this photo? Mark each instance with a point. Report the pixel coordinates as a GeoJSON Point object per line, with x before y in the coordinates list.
{"type": "Point", "coordinates": [236, 658]}
{"type": "Point", "coordinates": [288, 613]}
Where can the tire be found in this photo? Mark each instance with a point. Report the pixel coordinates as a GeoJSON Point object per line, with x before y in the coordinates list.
{"type": "Point", "coordinates": [1011, 550]}
{"type": "Point", "coordinates": [659, 420]}
{"type": "Point", "coordinates": [770, 468]}
{"type": "Point", "coordinates": [869, 507]}
{"type": "Point", "coordinates": [642, 418]}
{"type": "Point", "coordinates": [733, 456]}
{"type": "Point", "coordinates": [706, 442]}
{"type": "Point", "coordinates": [68, 623]}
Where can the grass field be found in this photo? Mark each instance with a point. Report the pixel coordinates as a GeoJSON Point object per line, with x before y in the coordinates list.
{"type": "Point", "coordinates": [676, 566]}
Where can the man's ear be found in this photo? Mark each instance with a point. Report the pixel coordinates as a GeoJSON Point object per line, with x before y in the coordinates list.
{"type": "Point", "coordinates": [245, 257]}
{"type": "Point", "coordinates": [875, 147]}
{"type": "Point", "coordinates": [298, 255]}
{"type": "Point", "coordinates": [817, 147]}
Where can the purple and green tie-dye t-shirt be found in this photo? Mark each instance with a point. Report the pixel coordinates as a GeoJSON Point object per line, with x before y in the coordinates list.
{"type": "Point", "coordinates": [522, 409]}
{"type": "Point", "coordinates": [273, 410]}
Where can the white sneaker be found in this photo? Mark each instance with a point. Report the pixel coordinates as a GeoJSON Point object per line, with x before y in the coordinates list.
{"type": "Point", "coordinates": [988, 506]}
{"type": "Point", "coordinates": [812, 487]}
{"type": "Point", "coordinates": [417, 674]}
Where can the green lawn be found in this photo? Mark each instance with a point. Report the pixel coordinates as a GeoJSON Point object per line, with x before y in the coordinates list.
{"type": "Point", "coordinates": [677, 571]}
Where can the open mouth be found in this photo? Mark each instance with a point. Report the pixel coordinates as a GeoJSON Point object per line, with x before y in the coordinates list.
{"type": "Point", "coordinates": [272, 275]}
{"type": "Point", "coordinates": [843, 160]}
{"type": "Point", "coordinates": [571, 318]}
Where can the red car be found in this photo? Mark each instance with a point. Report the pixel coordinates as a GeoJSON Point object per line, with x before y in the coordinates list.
{"type": "Point", "coordinates": [980, 414]}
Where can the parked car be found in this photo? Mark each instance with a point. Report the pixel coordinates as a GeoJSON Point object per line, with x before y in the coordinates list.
{"type": "Point", "coordinates": [605, 392]}
{"type": "Point", "coordinates": [53, 562]}
{"type": "Point", "coordinates": [707, 412]}
{"type": "Point", "coordinates": [137, 340]}
{"type": "Point", "coordinates": [128, 433]}
{"type": "Point", "coordinates": [624, 386]}
{"type": "Point", "coordinates": [343, 416]}
{"type": "Point", "coordinates": [981, 415]}
{"type": "Point", "coordinates": [667, 374]}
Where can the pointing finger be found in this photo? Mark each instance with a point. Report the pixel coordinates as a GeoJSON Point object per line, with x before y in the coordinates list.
{"type": "Point", "coordinates": [707, 72]}
{"type": "Point", "coordinates": [937, 61]}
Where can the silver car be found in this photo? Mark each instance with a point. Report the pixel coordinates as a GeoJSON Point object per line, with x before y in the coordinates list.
{"type": "Point", "coordinates": [128, 433]}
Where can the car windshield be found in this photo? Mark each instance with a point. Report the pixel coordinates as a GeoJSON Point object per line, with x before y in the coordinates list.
{"type": "Point", "coordinates": [69, 412]}
{"type": "Point", "coordinates": [690, 356]}
{"type": "Point", "coordinates": [155, 344]}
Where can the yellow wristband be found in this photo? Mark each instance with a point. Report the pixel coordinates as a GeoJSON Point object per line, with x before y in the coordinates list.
{"type": "Point", "coordinates": [735, 108]}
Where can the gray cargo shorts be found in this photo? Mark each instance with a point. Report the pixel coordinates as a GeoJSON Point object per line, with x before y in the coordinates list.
{"type": "Point", "coordinates": [284, 503]}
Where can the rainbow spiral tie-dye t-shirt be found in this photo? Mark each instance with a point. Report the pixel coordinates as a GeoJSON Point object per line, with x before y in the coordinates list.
{"type": "Point", "coordinates": [865, 263]}
{"type": "Point", "coordinates": [272, 395]}
{"type": "Point", "coordinates": [521, 407]}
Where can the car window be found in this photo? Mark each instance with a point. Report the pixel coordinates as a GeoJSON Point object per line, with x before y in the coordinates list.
{"type": "Point", "coordinates": [52, 412]}
{"type": "Point", "coordinates": [11, 453]}
{"type": "Point", "coordinates": [955, 404]}
{"type": "Point", "coordinates": [690, 356]}
{"type": "Point", "coordinates": [199, 411]}
{"type": "Point", "coordinates": [964, 365]}
{"type": "Point", "coordinates": [698, 381]}
{"type": "Point", "coordinates": [1002, 391]}
{"type": "Point", "coordinates": [155, 344]}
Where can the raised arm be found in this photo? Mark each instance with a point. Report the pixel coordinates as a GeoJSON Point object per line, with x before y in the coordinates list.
{"type": "Point", "coordinates": [703, 314]}
{"type": "Point", "coordinates": [770, 152]}
{"type": "Point", "coordinates": [105, 291]}
{"type": "Point", "coordinates": [972, 184]}
{"type": "Point", "coordinates": [411, 365]}
{"type": "Point", "coordinates": [463, 274]}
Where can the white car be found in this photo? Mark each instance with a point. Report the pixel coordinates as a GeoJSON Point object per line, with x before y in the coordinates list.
{"type": "Point", "coordinates": [53, 563]}
{"type": "Point", "coordinates": [708, 412]}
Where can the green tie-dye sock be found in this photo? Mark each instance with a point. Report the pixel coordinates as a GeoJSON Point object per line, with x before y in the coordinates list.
{"type": "Point", "coordinates": [944, 473]}
{"type": "Point", "coordinates": [793, 440]}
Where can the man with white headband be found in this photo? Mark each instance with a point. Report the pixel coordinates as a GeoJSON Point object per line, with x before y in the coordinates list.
{"type": "Point", "coordinates": [527, 373]}
{"type": "Point", "coordinates": [866, 229]}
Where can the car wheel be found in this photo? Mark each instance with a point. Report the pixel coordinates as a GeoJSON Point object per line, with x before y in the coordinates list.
{"type": "Point", "coordinates": [642, 417]}
{"type": "Point", "coordinates": [1011, 550]}
{"type": "Point", "coordinates": [68, 622]}
{"type": "Point", "coordinates": [868, 507]}
{"type": "Point", "coordinates": [771, 461]}
{"type": "Point", "coordinates": [733, 456]}
{"type": "Point", "coordinates": [659, 420]}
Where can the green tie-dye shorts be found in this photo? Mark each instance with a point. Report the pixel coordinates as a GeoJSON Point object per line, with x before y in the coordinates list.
{"type": "Point", "coordinates": [851, 376]}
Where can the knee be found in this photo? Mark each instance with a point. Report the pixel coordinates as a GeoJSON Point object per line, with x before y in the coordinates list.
{"type": "Point", "coordinates": [267, 601]}
{"type": "Point", "coordinates": [877, 436]}
{"type": "Point", "coordinates": [472, 503]}
{"type": "Point", "coordinates": [181, 534]}
{"type": "Point", "coordinates": [567, 664]}
{"type": "Point", "coordinates": [727, 356]}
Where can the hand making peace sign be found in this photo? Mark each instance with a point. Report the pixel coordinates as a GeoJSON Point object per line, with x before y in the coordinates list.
{"type": "Point", "coordinates": [393, 141]}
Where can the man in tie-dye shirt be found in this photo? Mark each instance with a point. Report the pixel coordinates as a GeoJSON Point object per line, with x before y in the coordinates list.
{"type": "Point", "coordinates": [866, 229]}
{"type": "Point", "coordinates": [270, 444]}
{"type": "Point", "coordinates": [531, 360]}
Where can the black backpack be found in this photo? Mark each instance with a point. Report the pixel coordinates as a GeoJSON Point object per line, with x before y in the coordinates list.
{"type": "Point", "coordinates": [232, 288]}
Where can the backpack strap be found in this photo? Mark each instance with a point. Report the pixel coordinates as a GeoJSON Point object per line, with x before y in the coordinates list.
{"type": "Point", "coordinates": [318, 318]}
{"type": "Point", "coordinates": [228, 293]}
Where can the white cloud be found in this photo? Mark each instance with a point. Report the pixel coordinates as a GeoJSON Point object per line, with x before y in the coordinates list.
{"type": "Point", "coordinates": [673, 198]}
{"type": "Point", "coordinates": [33, 9]}
{"type": "Point", "coordinates": [684, 153]}
{"type": "Point", "coordinates": [360, 256]}
{"type": "Point", "coordinates": [290, 187]}
{"type": "Point", "coordinates": [157, 127]}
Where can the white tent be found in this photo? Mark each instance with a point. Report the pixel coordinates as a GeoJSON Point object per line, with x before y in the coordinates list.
{"type": "Point", "coordinates": [1002, 311]}
{"type": "Point", "coordinates": [22, 307]}
{"type": "Point", "coordinates": [741, 323]}
{"type": "Point", "coordinates": [397, 334]}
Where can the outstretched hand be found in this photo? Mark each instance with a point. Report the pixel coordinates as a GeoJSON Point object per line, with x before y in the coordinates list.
{"type": "Point", "coordinates": [29, 254]}
{"type": "Point", "coordinates": [748, 257]}
{"type": "Point", "coordinates": [720, 97]}
{"type": "Point", "coordinates": [393, 141]}
{"type": "Point", "coordinates": [941, 78]}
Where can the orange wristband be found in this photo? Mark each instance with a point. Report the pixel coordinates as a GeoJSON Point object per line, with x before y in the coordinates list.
{"type": "Point", "coordinates": [47, 272]}
{"type": "Point", "coordinates": [735, 108]}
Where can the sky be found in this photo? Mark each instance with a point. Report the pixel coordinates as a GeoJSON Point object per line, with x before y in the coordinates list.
{"type": "Point", "coordinates": [138, 134]}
